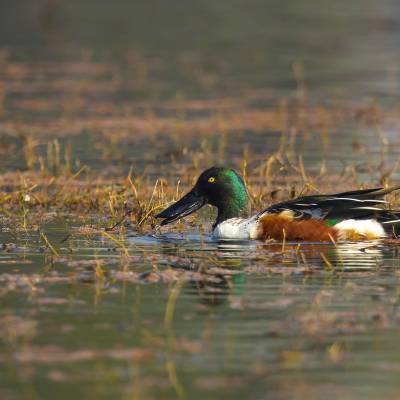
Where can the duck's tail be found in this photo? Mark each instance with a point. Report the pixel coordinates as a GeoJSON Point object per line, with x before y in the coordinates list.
{"type": "Point", "coordinates": [390, 220]}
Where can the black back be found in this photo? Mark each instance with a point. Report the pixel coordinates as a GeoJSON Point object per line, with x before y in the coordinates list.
{"type": "Point", "coordinates": [357, 204]}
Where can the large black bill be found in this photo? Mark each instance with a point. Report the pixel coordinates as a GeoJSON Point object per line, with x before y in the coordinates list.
{"type": "Point", "coordinates": [188, 204]}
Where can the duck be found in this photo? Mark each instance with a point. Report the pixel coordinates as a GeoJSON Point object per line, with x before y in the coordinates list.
{"type": "Point", "coordinates": [347, 216]}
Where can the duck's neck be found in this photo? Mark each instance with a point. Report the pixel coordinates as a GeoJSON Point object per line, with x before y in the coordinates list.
{"type": "Point", "coordinates": [231, 200]}
{"type": "Point", "coordinates": [231, 209]}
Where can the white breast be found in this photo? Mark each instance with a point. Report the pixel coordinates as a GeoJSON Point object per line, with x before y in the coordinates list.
{"type": "Point", "coordinates": [367, 228]}
{"type": "Point", "coordinates": [236, 228]}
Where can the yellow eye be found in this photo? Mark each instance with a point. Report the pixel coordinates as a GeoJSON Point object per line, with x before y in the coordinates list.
{"type": "Point", "coordinates": [211, 180]}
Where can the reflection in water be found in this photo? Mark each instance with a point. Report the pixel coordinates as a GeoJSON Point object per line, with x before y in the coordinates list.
{"type": "Point", "coordinates": [212, 289]}
{"type": "Point", "coordinates": [223, 274]}
{"type": "Point", "coordinates": [237, 254]}
{"type": "Point", "coordinates": [353, 256]}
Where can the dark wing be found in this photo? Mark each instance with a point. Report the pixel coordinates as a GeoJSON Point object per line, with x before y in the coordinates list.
{"type": "Point", "coordinates": [358, 204]}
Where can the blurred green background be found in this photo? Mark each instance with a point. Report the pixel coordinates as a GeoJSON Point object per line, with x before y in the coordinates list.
{"type": "Point", "coordinates": [347, 48]}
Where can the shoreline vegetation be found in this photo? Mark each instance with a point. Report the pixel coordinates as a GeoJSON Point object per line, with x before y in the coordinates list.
{"type": "Point", "coordinates": [44, 104]}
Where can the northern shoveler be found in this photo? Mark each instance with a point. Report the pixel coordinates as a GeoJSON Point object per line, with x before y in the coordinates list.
{"type": "Point", "coordinates": [347, 216]}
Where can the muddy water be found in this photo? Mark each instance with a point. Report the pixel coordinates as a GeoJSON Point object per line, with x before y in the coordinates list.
{"type": "Point", "coordinates": [179, 315]}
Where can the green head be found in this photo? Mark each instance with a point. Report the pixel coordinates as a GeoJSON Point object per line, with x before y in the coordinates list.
{"type": "Point", "coordinates": [218, 186]}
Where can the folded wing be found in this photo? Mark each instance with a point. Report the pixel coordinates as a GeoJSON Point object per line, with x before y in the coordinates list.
{"type": "Point", "coordinates": [358, 204]}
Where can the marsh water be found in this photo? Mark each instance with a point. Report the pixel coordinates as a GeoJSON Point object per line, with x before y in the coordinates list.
{"type": "Point", "coordinates": [173, 313]}
{"type": "Point", "coordinates": [256, 322]}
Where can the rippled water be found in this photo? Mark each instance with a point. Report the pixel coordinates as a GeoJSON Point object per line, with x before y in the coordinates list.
{"type": "Point", "coordinates": [186, 316]}
{"type": "Point", "coordinates": [178, 315]}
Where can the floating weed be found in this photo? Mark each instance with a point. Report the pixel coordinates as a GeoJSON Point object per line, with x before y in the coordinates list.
{"type": "Point", "coordinates": [49, 245]}
{"type": "Point", "coordinates": [116, 241]}
{"type": "Point", "coordinates": [292, 358]}
{"type": "Point", "coordinates": [53, 354]}
{"type": "Point", "coordinates": [335, 352]}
